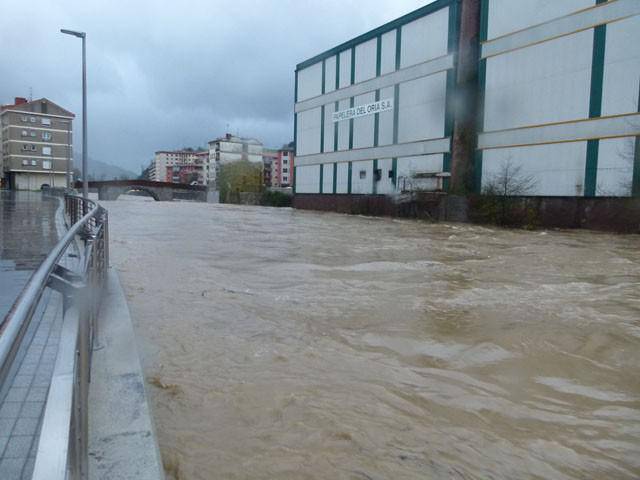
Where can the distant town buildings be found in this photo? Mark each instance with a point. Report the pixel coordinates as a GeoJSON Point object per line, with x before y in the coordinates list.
{"type": "Point", "coordinates": [278, 166]}
{"type": "Point", "coordinates": [176, 165]}
{"type": "Point", "coordinates": [36, 138]}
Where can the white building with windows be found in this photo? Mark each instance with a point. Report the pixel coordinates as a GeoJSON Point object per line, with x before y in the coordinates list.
{"type": "Point", "coordinates": [231, 148]}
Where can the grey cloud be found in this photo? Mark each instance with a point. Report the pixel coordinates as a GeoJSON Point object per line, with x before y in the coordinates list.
{"type": "Point", "coordinates": [172, 74]}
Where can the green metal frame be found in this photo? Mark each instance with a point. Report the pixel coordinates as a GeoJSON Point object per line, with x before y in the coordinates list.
{"type": "Point", "coordinates": [335, 177]}
{"type": "Point", "coordinates": [595, 106]}
{"type": "Point", "coordinates": [482, 80]}
{"type": "Point", "coordinates": [321, 177]}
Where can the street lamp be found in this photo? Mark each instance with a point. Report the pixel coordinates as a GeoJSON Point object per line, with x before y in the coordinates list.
{"type": "Point", "coordinates": [85, 170]}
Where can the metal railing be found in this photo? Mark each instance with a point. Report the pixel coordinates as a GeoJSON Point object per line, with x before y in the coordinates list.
{"type": "Point", "coordinates": [62, 448]}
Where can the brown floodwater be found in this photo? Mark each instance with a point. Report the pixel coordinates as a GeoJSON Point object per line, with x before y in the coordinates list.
{"type": "Point", "coordinates": [298, 345]}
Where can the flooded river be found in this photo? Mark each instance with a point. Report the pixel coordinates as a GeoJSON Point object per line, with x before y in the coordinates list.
{"type": "Point", "coordinates": [283, 344]}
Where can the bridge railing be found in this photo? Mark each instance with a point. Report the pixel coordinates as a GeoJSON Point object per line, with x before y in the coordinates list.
{"type": "Point", "coordinates": [62, 449]}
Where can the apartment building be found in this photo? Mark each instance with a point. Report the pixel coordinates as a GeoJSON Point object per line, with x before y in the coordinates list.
{"type": "Point", "coordinates": [164, 160]}
{"type": "Point", "coordinates": [37, 139]}
{"type": "Point", "coordinates": [231, 148]}
{"type": "Point", "coordinates": [282, 167]}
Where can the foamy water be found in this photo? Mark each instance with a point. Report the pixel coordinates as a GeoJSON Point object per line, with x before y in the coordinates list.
{"type": "Point", "coordinates": [297, 345]}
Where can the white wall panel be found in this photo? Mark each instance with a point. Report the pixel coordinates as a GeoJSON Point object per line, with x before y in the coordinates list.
{"type": "Point", "coordinates": [360, 183]}
{"type": "Point", "coordinates": [310, 81]}
{"type": "Point", "coordinates": [330, 74]}
{"type": "Point", "coordinates": [385, 185]}
{"type": "Point", "coordinates": [622, 67]}
{"type": "Point", "coordinates": [388, 52]}
{"type": "Point", "coordinates": [308, 179]}
{"type": "Point", "coordinates": [345, 68]}
{"type": "Point", "coordinates": [327, 178]}
{"type": "Point", "coordinates": [385, 123]}
{"type": "Point", "coordinates": [363, 126]}
{"type": "Point", "coordinates": [425, 38]}
{"type": "Point", "coordinates": [422, 108]}
{"type": "Point", "coordinates": [343, 127]}
{"type": "Point", "coordinates": [506, 16]}
{"type": "Point", "coordinates": [544, 83]}
{"type": "Point", "coordinates": [329, 130]}
{"type": "Point", "coordinates": [366, 60]}
{"type": "Point", "coordinates": [308, 135]}
{"type": "Point", "coordinates": [342, 182]}
{"type": "Point", "coordinates": [557, 169]}
{"type": "Point", "coordinates": [615, 166]}
{"type": "Point", "coordinates": [409, 166]}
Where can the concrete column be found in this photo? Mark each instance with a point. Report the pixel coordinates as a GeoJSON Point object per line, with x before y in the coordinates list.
{"type": "Point", "coordinates": [467, 102]}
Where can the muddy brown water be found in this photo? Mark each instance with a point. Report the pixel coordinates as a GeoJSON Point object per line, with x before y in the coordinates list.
{"type": "Point", "coordinates": [302, 345]}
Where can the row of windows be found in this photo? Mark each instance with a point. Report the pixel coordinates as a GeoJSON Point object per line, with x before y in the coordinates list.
{"type": "Point", "coordinates": [46, 164]}
{"type": "Point", "coordinates": [43, 121]}
{"type": "Point", "coordinates": [34, 148]}
{"type": "Point", "coordinates": [32, 134]}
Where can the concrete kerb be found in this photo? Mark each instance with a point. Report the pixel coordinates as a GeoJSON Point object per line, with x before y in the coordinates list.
{"type": "Point", "coordinates": [122, 439]}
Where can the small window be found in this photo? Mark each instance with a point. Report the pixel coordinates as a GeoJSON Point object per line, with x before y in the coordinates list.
{"type": "Point", "coordinates": [46, 164]}
{"type": "Point", "coordinates": [23, 118]}
{"type": "Point", "coordinates": [34, 163]}
{"type": "Point", "coordinates": [24, 133]}
{"type": "Point", "coordinates": [390, 173]}
{"type": "Point", "coordinates": [25, 162]}
{"type": "Point", "coordinates": [46, 121]}
{"type": "Point", "coordinates": [32, 134]}
{"type": "Point", "coordinates": [46, 136]}
{"type": "Point", "coordinates": [33, 148]}
{"type": "Point", "coordinates": [363, 174]}
{"type": "Point", "coordinates": [26, 147]}
{"type": "Point", "coordinates": [46, 150]}
{"type": "Point", "coordinates": [285, 161]}
{"type": "Point", "coordinates": [377, 175]}
{"type": "Point", "coordinates": [32, 119]}
{"type": "Point", "coordinates": [285, 154]}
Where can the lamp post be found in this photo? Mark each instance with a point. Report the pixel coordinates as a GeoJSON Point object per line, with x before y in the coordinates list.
{"type": "Point", "coordinates": [85, 170]}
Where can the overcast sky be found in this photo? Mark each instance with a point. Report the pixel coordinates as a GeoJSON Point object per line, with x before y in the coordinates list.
{"type": "Point", "coordinates": [167, 74]}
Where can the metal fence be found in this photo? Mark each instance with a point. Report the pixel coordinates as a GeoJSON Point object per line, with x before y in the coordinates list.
{"type": "Point", "coordinates": [62, 448]}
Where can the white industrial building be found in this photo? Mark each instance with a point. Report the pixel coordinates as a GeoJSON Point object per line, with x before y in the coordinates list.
{"type": "Point", "coordinates": [558, 91]}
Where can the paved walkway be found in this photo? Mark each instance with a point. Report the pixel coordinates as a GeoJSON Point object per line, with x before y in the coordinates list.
{"type": "Point", "coordinates": [27, 233]}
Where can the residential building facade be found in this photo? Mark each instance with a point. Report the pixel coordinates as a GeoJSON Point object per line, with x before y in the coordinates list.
{"type": "Point", "coordinates": [161, 169]}
{"type": "Point", "coordinates": [282, 169]}
{"type": "Point", "coordinates": [37, 139]}
{"type": "Point", "coordinates": [231, 148]}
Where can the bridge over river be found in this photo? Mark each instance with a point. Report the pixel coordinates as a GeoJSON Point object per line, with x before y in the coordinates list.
{"type": "Point", "coordinates": [159, 191]}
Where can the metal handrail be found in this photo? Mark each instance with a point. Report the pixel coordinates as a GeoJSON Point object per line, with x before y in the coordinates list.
{"type": "Point", "coordinates": [62, 448]}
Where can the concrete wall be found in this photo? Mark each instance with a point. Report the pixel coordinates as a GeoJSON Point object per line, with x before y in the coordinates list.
{"type": "Point", "coordinates": [597, 213]}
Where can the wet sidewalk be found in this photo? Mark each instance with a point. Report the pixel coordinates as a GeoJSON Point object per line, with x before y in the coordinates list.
{"type": "Point", "coordinates": [27, 234]}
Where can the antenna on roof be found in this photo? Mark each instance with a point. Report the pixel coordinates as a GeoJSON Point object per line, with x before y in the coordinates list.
{"type": "Point", "coordinates": [30, 94]}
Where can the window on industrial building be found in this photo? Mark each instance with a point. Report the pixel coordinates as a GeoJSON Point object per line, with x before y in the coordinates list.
{"type": "Point", "coordinates": [46, 121]}
{"type": "Point", "coordinates": [363, 174]}
{"type": "Point", "coordinates": [32, 134]}
{"type": "Point", "coordinates": [46, 136]}
{"type": "Point", "coordinates": [24, 133]}
{"type": "Point", "coordinates": [23, 118]}
{"type": "Point", "coordinates": [46, 150]}
{"type": "Point", "coordinates": [377, 175]}
{"type": "Point", "coordinates": [32, 119]}
{"type": "Point", "coordinates": [25, 162]}
{"type": "Point", "coordinates": [33, 148]}
{"type": "Point", "coordinates": [46, 164]}
{"type": "Point", "coordinates": [26, 147]}
{"type": "Point", "coordinates": [390, 173]}
{"type": "Point", "coordinates": [34, 163]}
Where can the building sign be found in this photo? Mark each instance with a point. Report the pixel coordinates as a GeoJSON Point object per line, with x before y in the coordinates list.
{"type": "Point", "coordinates": [362, 110]}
